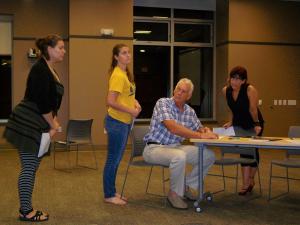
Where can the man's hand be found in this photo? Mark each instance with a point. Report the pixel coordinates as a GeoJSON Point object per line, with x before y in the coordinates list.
{"type": "Point", "coordinates": [208, 135]}
{"type": "Point", "coordinates": [207, 130]}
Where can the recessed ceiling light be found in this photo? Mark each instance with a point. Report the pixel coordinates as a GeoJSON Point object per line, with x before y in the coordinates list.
{"type": "Point", "coordinates": [142, 32]}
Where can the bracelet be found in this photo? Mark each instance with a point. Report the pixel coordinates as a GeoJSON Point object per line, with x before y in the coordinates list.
{"type": "Point", "coordinates": [257, 123]}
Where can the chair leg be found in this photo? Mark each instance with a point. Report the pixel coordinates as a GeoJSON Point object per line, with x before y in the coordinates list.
{"type": "Point", "coordinates": [259, 182]}
{"type": "Point", "coordinates": [77, 155]}
{"type": "Point", "coordinates": [69, 159]}
{"type": "Point", "coordinates": [270, 183]}
{"type": "Point", "coordinates": [164, 187]}
{"type": "Point", "coordinates": [54, 155]}
{"type": "Point", "coordinates": [123, 186]}
{"type": "Point", "coordinates": [287, 180]}
{"type": "Point", "coordinates": [223, 174]}
{"type": "Point", "coordinates": [149, 179]}
{"type": "Point", "coordinates": [94, 153]}
{"type": "Point", "coordinates": [223, 179]}
{"type": "Point", "coordinates": [163, 181]}
{"type": "Point", "coordinates": [236, 178]}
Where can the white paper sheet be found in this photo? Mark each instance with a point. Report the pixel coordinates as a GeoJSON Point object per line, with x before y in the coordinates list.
{"type": "Point", "coordinates": [224, 132]}
{"type": "Point", "coordinates": [294, 141]}
{"type": "Point", "coordinates": [45, 143]}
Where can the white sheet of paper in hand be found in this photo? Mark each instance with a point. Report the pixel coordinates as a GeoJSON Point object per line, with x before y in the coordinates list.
{"type": "Point", "coordinates": [224, 132]}
{"type": "Point", "coordinates": [45, 143]}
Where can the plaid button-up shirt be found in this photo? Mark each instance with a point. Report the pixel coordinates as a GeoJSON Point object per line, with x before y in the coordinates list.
{"type": "Point", "coordinates": [165, 109]}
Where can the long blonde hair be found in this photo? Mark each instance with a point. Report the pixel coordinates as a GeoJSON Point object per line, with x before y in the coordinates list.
{"type": "Point", "coordinates": [115, 52]}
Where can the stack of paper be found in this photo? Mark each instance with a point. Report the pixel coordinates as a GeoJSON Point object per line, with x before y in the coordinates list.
{"type": "Point", "coordinates": [221, 131]}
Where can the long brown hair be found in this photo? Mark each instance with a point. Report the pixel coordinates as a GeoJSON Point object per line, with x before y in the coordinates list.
{"type": "Point", "coordinates": [115, 52]}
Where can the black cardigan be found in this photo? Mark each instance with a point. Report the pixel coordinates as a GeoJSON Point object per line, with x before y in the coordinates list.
{"type": "Point", "coordinates": [42, 88]}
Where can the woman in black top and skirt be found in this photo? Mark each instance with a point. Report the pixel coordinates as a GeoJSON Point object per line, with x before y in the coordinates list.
{"type": "Point", "coordinates": [242, 99]}
{"type": "Point", "coordinates": [36, 114]}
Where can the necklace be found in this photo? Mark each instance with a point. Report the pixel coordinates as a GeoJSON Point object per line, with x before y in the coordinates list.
{"type": "Point", "coordinates": [54, 73]}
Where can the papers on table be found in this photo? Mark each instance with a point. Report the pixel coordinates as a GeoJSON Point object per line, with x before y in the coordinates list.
{"type": "Point", "coordinates": [45, 144]}
{"type": "Point", "coordinates": [221, 131]}
{"type": "Point", "coordinates": [294, 141]}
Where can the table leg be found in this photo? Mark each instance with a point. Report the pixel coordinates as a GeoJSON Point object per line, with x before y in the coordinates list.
{"type": "Point", "coordinates": [200, 178]}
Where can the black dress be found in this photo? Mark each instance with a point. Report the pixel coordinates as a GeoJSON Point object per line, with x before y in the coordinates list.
{"type": "Point", "coordinates": [43, 95]}
{"type": "Point", "coordinates": [241, 115]}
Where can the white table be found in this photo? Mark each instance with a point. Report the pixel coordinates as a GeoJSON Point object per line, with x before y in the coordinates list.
{"type": "Point", "coordinates": [284, 143]}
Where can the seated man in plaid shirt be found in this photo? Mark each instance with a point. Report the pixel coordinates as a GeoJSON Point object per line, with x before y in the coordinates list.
{"type": "Point", "coordinates": [173, 121]}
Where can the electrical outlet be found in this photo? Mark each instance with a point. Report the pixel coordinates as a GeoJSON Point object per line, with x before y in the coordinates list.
{"type": "Point", "coordinates": [292, 102]}
{"type": "Point", "coordinates": [284, 102]}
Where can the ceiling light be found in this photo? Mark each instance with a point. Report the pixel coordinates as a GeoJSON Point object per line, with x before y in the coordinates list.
{"type": "Point", "coordinates": [142, 32]}
{"type": "Point", "coordinates": [160, 17]}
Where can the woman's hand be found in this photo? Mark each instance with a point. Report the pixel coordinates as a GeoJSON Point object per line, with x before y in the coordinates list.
{"type": "Point", "coordinates": [257, 129]}
{"type": "Point", "coordinates": [228, 124]}
{"type": "Point", "coordinates": [135, 112]}
{"type": "Point", "coordinates": [137, 109]}
{"type": "Point", "coordinates": [52, 132]}
{"type": "Point", "coordinates": [137, 105]}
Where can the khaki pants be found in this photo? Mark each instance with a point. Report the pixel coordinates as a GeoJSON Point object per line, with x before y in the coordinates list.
{"type": "Point", "coordinates": [176, 157]}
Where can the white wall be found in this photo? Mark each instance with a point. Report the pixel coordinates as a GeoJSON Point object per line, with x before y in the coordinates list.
{"type": "Point", "coordinates": [178, 4]}
{"type": "Point", "coordinates": [5, 38]}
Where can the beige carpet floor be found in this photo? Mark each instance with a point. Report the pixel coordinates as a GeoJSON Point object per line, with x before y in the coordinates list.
{"type": "Point", "coordinates": [76, 197]}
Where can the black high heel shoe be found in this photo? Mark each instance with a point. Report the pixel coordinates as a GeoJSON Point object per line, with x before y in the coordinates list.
{"type": "Point", "coordinates": [244, 191]}
{"type": "Point", "coordinates": [250, 188]}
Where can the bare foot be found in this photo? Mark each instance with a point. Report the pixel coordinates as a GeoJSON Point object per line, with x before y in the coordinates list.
{"type": "Point", "coordinates": [119, 196]}
{"type": "Point", "coordinates": [115, 200]}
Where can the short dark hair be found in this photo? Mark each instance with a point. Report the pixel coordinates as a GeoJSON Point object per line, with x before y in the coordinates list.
{"type": "Point", "coordinates": [239, 72]}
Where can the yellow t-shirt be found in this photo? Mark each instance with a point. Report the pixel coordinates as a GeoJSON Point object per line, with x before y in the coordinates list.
{"type": "Point", "coordinates": [119, 82]}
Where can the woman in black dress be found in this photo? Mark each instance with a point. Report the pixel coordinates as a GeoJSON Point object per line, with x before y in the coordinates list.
{"type": "Point", "coordinates": [36, 114]}
{"type": "Point", "coordinates": [242, 99]}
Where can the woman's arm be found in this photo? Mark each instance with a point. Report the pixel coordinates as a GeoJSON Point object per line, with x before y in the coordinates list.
{"type": "Point", "coordinates": [229, 123]}
{"type": "Point", "coordinates": [112, 102]}
{"type": "Point", "coordinates": [253, 103]}
{"type": "Point", "coordinates": [54, 125]}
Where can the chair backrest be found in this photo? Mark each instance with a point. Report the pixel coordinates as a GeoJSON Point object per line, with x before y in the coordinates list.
{"type": "Point", "coordinates": [238, 150]}
{"type": "Point", "coordinates": [138, 144]}
{"type": "Point", "coordinates": [80, 131]}
{"type": "Point", "coordinates": [294, 132]}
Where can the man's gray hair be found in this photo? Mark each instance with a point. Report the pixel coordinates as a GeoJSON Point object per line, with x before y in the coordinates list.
{"type": "Point", "coordinates": [188, 82]}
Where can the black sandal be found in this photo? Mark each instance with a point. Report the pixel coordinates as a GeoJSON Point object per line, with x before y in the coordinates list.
{"type": "Point", "coordinates": [35, 218]}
